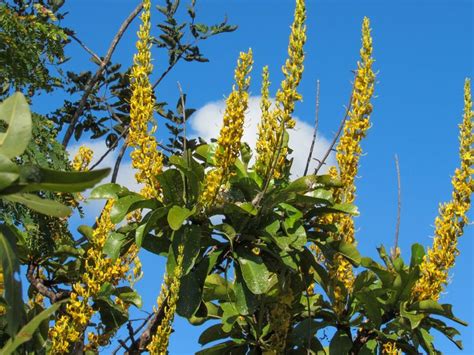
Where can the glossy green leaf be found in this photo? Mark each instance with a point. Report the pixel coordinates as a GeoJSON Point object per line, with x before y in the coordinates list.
{"type": "Point", "coordinates": [38, 204]}
{"type": "Point", "coordinates": [15, 112]}
{"type": "Point", "coordinates": [41, 179]}
{"type": "Point", "coordinates": [12, 284]}
{"type": "Point", "coordinates": [177, 215]}
{"type": "Point", "coordinates": [114, 244]}
{"type": "Point", "coordinates": [123, 206]}
{"type": "Point", "coordinates": [213, 333]}
{"type": "Point", "coordinates": [128, 295]}
{"type": "Point", "coordinates": [340, 343]}
{"type": "Point", "coordinates": [417, 254]}
{"type": "Point", "coordinates": [26, 333]}
{"type": "Point", "coordinates": [108, 191]}
{"type": "Point", "coordinates": [254, 271]}
{"type": "Point", "coordinates": [9, 172]}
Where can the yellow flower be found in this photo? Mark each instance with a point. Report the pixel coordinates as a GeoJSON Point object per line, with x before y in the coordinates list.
{"type": "Point", "coordinates": [452, 218]}
{"type": "Point", "coordinates": [82, 159]}
{"type": "Point", "coordinates": [146, 157]}
{"type": "Point", "coordinates": [231, 132]}
{"type": "Point", "coordinates": [170, 291]}
{"type": "Point", "coordinates": [348, 153]}
{"type": "Point", "coordinates": [390, 348]}
{"type": "Point", "coordinates": [271, 154]}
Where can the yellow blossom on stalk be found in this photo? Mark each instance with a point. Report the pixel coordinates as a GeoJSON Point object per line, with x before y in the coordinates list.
{"type": "Point", "coordinates": [348, 153]}
{"type": "Point", "coordinates": [160, 340]}
{"type": "Point", "coordinates": [228, 143]}
{"type": "Point", "coordinates": [287, 95]}
{"type": "Point", "coordinates": [82, 159]}
{"type": "Point", "coordinates": [99, 269]}
{"type": "Point", "coordinates": [452, 218]}
{"type": "Point", "coordinates": [146, 157]}
{"type": "Point", "coordinates": [267, 128]}
{"type": "Point", "coordinates": [2, 289]}
{"type": "Point", "coordinates": [390, 348]}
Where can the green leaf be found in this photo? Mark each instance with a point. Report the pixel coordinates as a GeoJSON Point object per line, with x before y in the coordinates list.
{"type": "Point", "coordinates": [9, 172]}
{"type": "Point", "coordinates": [369, 348]}
{"type": "Point", "coordinates": [417, 254]}
{"type": "Point", "coordinates": [341, 343]}
{"type": "Point", "coordinates": [228, 347]}
{"type": "Point", "coordinates": [254, 271]}
{"type": "Point", "coordinates": [217, 288]}
{"type": "Point", "coordinates": [433, 307]}
{"type": "Point", "coordinates": [212, 333]}
{"type": "Point", "coordinates": [413, 317]}
{"type": "Point", "coordinates": [114, 244]}
{"type": "Point", "coordinates": [156, 245]}
{"type": "Point", "coordinates": [190, 238]}
{"type": "Point", "coordinates": [15, 112]}
{"type": "Point", "coordinates": [26, 333]}
{"type": "Point", "coordinates": [177, 215]}
{"type": "Point", "coordinates": [148, 223]}
{"type": "Point", "coordinates": [36, 203]}
{"type": "Point", "coordinates": [42, 179]}
{"type": "Point", "coordinates": [191, 288]}
{"type": "Point", "coordinates": [349, 251]}
{"type": "Point", "coordinates": [11, 274]}
{"type": "Point", "coordinates": [371, 307]}
{"type": "Point", "coordinates": [108, 191]}
{"type": "Point", "coordinates": [123, 206]}
{"type": "Point", "coordinates": [171, 182]}
{"type": "Point", "coordinates": [112, 315]}
{"type": "Point", "coordinates": [128, 295]}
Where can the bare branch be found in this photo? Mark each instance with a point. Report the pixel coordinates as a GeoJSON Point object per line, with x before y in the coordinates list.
{"type": "Point", "coordinates": [87, 49]}
{"type": "Point", "coordinates": [315, 132]}
{"type": "Point", "coordinates": [338, 133]}
{"type": "Point", "coordinates": [112, 147]}
{"type": "Point", "coordinates": [92, 81]}
{"type": "Point", "coordinates": [183, 108]}
{"type": "Point", "coordinates": [395, 250]}
{"type": "Point", "coordinates": [118, 162]}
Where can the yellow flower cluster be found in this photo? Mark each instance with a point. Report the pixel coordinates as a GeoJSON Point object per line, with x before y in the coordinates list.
{"type": "Point", "coordinates": [98, 270]}
{"type": "Point", "coordinates": [348, 153]}
{"type": "Point", "coordinates": [267, 128]}
{"type": "Point", "coordinates": [146, 157]}
{"type": "Point", "coordinates": [2, 289]}
{"type": "Point", "coordinates": [82, 159]}
{"type": "Point", "coordinates": [274, 123]}
{"type": "Point", "coordinates": [160, 340]}
{"type": "Point", "coordinates": [449, 225]}
{"type": "Point", "coordinates": [390, 348]}
{"type": "Point", "coordinates": [231, 132]}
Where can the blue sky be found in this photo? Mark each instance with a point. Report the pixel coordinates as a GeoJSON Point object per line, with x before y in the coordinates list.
{"type": "Point", "coordinates": [423, 52]}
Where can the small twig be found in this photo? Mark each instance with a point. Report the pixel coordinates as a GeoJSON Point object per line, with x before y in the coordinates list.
{"type": "Point", "coordinates": [112, 147]}
{"type": "Point", "coordinates": [399, 209]}
{"type": "Point", "coordinates": [93, 80]}
{"type": "Point", "coordinates": [116, 350]}
{"type": "Point", "coordinates": [315, 132]}
{"type": "Point", "coordinates": [118, 162]}
{"type": "Point", "coordinates": [183, 108]}
{"type": "Point", "coordinates": [338, 133]}
{"type": "Point", "coordinates": [87, 49]}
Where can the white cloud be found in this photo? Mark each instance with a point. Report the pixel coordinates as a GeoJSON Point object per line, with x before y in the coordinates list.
{"type": "Point", "coordinates": [207, 121]}
{"type": "Point", "coordinates": [126, 175]}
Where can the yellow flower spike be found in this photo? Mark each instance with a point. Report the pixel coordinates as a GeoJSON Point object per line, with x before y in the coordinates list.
{"type": "Point", "coordinates": [82, 159]}
{"type": "Point", "coordinates": [348, 153]}
{"type": "Point", "coordinates": [231, 131]}
{"type": "Point", "coordinates": [390, 348]}
{"type": "Point", "coordinates": [99, 269]}
{"type": "Point", "coordinates": [267, 128]}
{"type": "Point", "coordinates": [146, 157]}
{"type": "Point", "coordinates": [160, 340]}
{"type": "Point", "coordinates": [449, 224]}
{"type": "Point", "coordinates": [272, 161]}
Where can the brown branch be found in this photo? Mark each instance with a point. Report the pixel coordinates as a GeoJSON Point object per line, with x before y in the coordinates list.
{"type": "Point", "coordinates": [38, 284]}
{"type": "Point", "coordinates": [315, 132]}
{"type": "Point", "coordinates": [395, 251]}
{"type": "Point", "coordinates": [118, 162]}
{"type": "Point", "coordinates": [338, 133]}
{"type": "Point", "coordinates": [87, 49]}
{"type": "Point", "coordinates": [124, 135]}
{"type": "Point", "coordinates": [90, 85]}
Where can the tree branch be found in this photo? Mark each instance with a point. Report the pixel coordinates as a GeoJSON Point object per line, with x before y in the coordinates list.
{"type": "Point", "coordinates": [118, 162]}
{"type": "Point", "coordinates": [90, 85]}
{"type": "Point", "coordinates": [315, 132]}
{"type": "Point", "coordinates": [38, 284]}
{"type": "Point", "coordinates": [395, 251]}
